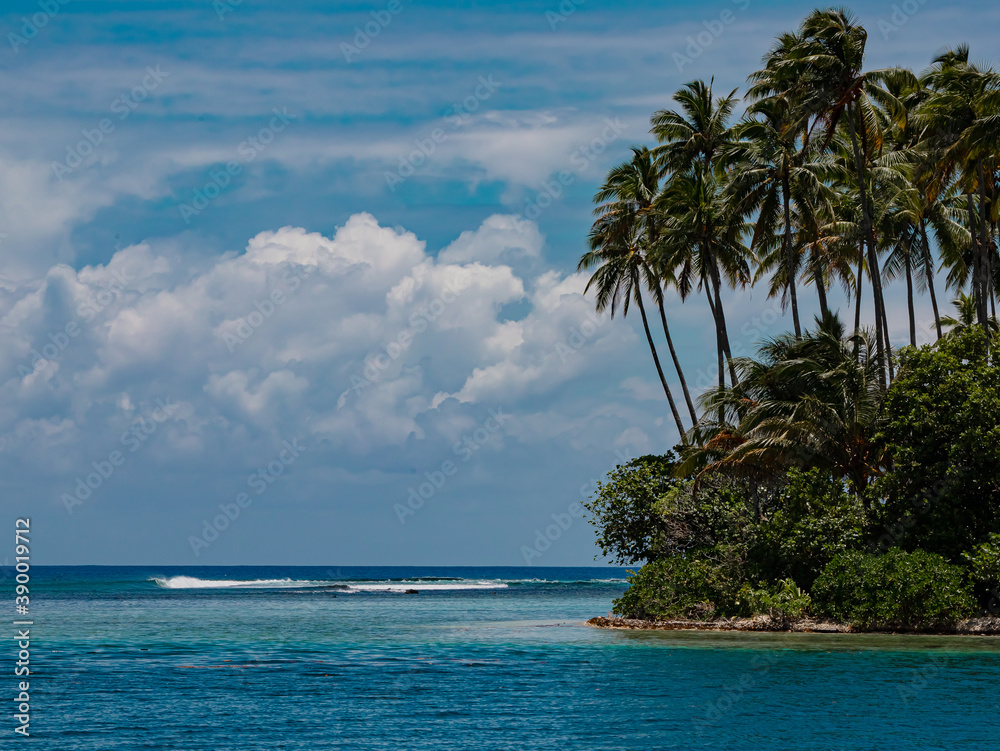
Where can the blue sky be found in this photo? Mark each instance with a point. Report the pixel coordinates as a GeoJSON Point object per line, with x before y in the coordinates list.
{"type": "Point", "coordinates": [328, 254]}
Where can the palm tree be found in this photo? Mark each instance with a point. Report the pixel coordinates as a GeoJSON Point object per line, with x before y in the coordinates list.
{"type": "Point", "coordinates": [962, 122]}
{"type": "Point", "coordinates": [967, 308]}
{"type": "Point", "coordinates": [771, 173]}
{"type": "Point", "coordinates": [699, 132]}
{"type": "Point", "coordinates": [829, 243]}
{"type": "Point", "coordinates": [701, 245]}
{"type": "Point", "coordinates": [627, 196]}
{"type": "Point", "coordinates": [693, 145]}
{"type": "Point", "coordinates": [618, 242]}
{"type": "Point", "coordinates": [804, 402]}
{"type": "Point", "coordinates": [831, 59]}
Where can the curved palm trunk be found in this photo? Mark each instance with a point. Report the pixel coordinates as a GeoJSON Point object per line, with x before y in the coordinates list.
{"type": "Point", "coordinates": [824, 307]}
{"type": "Point", "coordinates": [790, 256]}
{"type": "Point", "coordinates": [656, 361]}
{"type": "Point", "coordinates": [881, 336]}
{"type": "Point", "coordinates": [929, 271]}
{"type": "Point", "coordinates": [720, 320]}
{"type": "Point", "coordinates": [718, 348]}
{"type": "Point", "coordinates": [677, 365]}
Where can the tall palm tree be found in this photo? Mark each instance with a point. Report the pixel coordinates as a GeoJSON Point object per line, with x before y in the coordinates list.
{"type": "Point", "coordinates": [831, 58]}
{"type": "Point", "coordinates": [693, 142]}
{"type": "Point", "coordinates": [771, 173]}
{"type": "Point", "coordinates": [618, 243]}
{"type": "Point", "coordinates": [702, 245]}
{"type": "Point", "coordinates": [962, 122]}
{"type": "Point", "coordinates": [627, 198]}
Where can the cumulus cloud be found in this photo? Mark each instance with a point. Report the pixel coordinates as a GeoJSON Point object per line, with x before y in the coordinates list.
{"type": "Point", "coordinates": [361, 341]}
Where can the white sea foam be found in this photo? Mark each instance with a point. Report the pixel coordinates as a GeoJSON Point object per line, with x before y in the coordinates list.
{"type": "Point", "coordinates": [421, 586]}
{"type": "Point", "coordinates": [191, 582]}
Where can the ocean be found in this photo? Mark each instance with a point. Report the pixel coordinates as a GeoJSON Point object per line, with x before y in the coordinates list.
{"type": "Point", "coordinates": [310, 658]}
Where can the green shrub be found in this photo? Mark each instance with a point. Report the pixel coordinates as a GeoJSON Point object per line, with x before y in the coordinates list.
{"type": "Point", "coordinates": [941, 490]}
{"type": "Point", "coordinates": [896, 591]}
{"type": "Point", "coordinates": [680, 587]}
{"type": "Point", "coordinates": [984, 570]}
{"type": "Point", "coordinates": [816, 519]}
{"type": "Point", "coordinates": [784, 603]}
{"type": "Point", "coordinates": [623, 509]}
{"type": "Point", "coordinates": [984, 561]}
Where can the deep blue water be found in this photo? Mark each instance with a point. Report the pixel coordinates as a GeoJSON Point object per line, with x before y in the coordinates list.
{"type": "Point", "coordinates": [330, 660]}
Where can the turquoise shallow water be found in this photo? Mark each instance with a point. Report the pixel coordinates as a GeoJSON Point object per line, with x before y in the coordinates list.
{"type": "Point", "coordinates": [482, 658]}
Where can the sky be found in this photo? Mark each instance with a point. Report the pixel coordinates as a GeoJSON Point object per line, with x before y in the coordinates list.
{"type": "Point", "coordinates": [295, 283]}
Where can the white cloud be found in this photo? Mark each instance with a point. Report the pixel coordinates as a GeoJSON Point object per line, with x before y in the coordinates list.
{"type": "Point", "coordinates": [355, 341]}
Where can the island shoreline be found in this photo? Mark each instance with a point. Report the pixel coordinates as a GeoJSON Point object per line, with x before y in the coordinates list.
{"type": "Point", "coordinates": [765, 624]}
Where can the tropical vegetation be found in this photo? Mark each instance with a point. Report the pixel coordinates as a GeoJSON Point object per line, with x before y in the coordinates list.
{"type": "Point", "coordinates": [836, 473]}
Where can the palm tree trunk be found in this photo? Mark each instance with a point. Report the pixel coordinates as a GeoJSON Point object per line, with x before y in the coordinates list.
{"type": "Point", "coordinates": [888, 344]}
{"type": "Point", "coordinates": [721, 320]}
{"type": "Point", "coordinates": [873, 269]}
{"type": "Point", "coordinates": [718, 339]}
{"type": "Point", "coordinates": [984, 247]}
{"type": "Point", "coordinates": [656, 360]}
{"type": "Point", "coordinates": [824, 307]}
{"type": "Point", "coordinates": [790, 256]}
{"type": "Point", "coordinates": [677, 364]}
{"type": "Point", "coordinates": [990, 281]}
{"type": "Point", "coordinates": [719, 349]}
{"type": "Point", "coordinates": [975, 248]}
{"type": "Point", "coordinates": [858, 284]}
{"type": "Point", "coordinates": [909, 301]}
{"type": "Point", "coordinates": [929, 271]}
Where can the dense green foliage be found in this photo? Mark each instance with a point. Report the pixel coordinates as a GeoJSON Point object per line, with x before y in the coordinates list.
{"type": "Point", "coordinates": [829, 475]}
{"type": "Point", "coordinates": [942, 428]}
{"type": "Point", "coordinates": [681, 587]}
{"type": "Point", "coordinates": [815, 519]}
{"type": "Point", "coordinates": [893, 591]}
{"type": "Point", "coordinates": [805, 540]}
{"type": "Point", "coordinates": [624, 508]}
